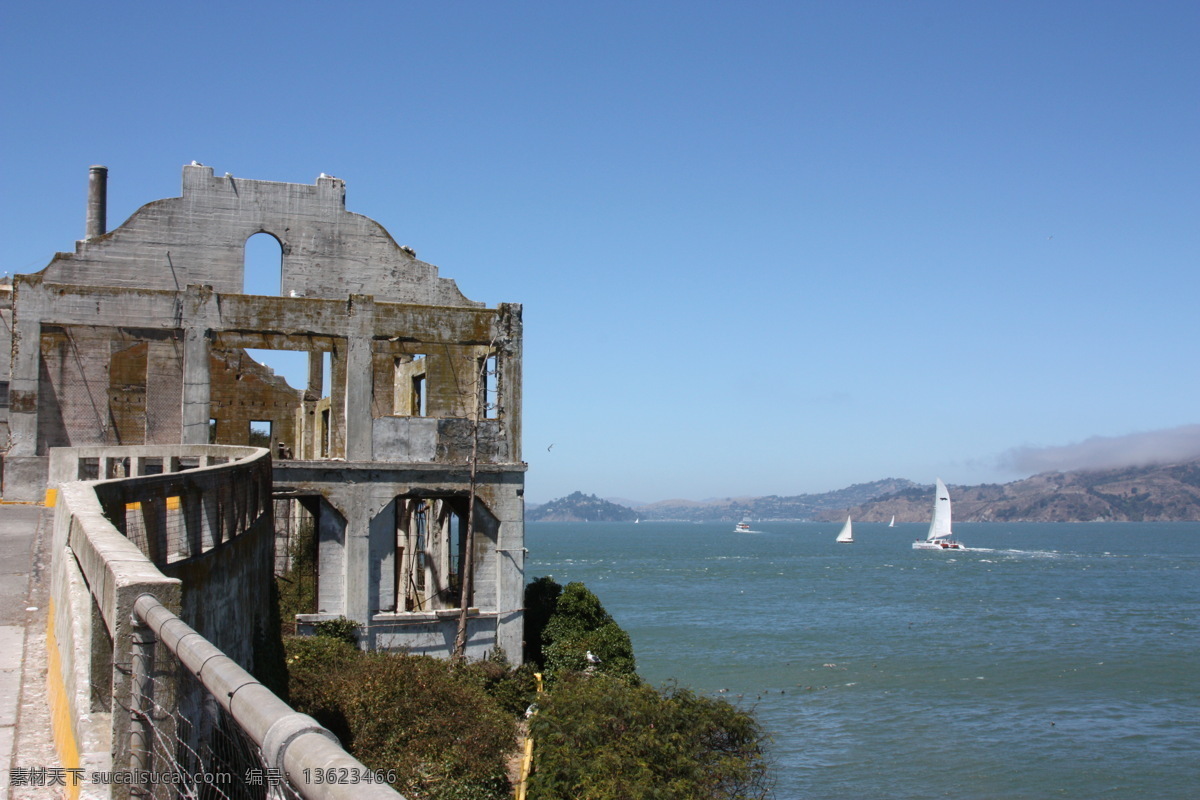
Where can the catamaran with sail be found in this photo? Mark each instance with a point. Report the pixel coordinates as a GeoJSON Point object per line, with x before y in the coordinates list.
{"type": "Point", "coordinates": [846, 535]}
{"type": "Point", "coordinates": [940, 537]}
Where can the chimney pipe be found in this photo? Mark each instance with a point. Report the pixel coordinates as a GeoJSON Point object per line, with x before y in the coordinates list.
{"type": "Point", "coordinates": [97, 207]}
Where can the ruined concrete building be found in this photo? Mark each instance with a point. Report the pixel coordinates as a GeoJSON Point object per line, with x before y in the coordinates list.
{"type": "Point", "coordinates": [139, 337]}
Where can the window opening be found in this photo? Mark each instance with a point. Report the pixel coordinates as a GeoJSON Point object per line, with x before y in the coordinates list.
{"type": "Point", "coordinates": [417, 599]}
{"type": "Point", "coordinates": [490, 392]}
{"type": "Point", "coordinates": [454, 531]}
{"type": "Point", "coordinates": [296, 556]}
{"type": "Point", "coordinates": [411, 386]}
{"type": "Point", "coordinates": [262, 274]}
{"type": "Point", "coordinates": [212, 430]}
{"type": "Point", "coordinates": [429, 554]}
{"type": "Point", "coordinates": [290, 365]}
{"type": "Point", "coordinates": [262, 270]}
{"type": "Point", "coordinates": [89, 469]}
{"type": "Point", "coordinates": [418, 395]}
{"type": "Point", "coordinates": [260, 433]}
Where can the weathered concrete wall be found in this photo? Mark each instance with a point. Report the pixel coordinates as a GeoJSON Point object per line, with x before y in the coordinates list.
{"type": "Point", "coordinates": [95, 567]}
{"type": "Point", "coordinates": [220, 531]}
{"type": "Point", "coordinates": [227, 596]}
{"type": "Point", "coordinates": [66, 392]}
{"type": "Point", "coordinates": [361, 541]}
{"type": "Point", "coordinates": [138, 337]}
{"type": "Point", "coordinates": [200, 238]}
{"type": "Point", "coordinates": [242, 391]}
{"type": "Point", "coordinates": [6, 320]}
{"type": "Point", "coordinates": [331, 560]}
{"type": "Point", "coordinates": [73, 389]}
{"type": "Point", "coordinates": [405, 439]}
{"type": "Point", "coordinates": [98, 575]}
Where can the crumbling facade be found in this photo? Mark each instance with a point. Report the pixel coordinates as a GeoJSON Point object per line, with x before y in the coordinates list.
{"type": "Point", "coordinates": [139, 337]}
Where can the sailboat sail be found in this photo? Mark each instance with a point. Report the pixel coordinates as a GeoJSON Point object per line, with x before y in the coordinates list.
{"type": "Point", "coordinates": [892, 524]}
{"type": "Point", "coordinates": [939, 528]}
{"type": "Point", "coordinates": [847, 532]}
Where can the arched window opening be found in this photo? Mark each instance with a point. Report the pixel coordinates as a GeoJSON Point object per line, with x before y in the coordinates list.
{"type": "Point", "coordinates": [262, 274]}
{"type": "Point", "coordinates": [430, 534]}
{"type": "Point", "coordinates": [262, 271]}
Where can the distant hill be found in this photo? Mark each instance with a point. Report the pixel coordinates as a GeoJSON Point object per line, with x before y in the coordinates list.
{"type": "Point", "coordinates": [1158, 493]}
{"type": "Point", "coordinates": [580, 507]}
{"type": "Point", "coordinates": [773, 507]}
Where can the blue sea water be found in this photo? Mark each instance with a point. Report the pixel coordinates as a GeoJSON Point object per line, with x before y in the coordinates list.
{"type": "Point", "coordinates": [1048, 660]}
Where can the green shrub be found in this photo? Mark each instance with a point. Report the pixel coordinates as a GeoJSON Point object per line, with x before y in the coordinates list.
{"type": "Point", "coordinates": [604, 738]}
{"type": "Point", "coordinates": [447, 729]}
{"type": "Point", "coordinates": [311, 661]}
{"type": "Point", "coordinates": [578, 624]}
{"type": "Point", "coordinates": [512, 689]}
{"type": "Point", "coordinates": [342, 629]}
{"type": "Point", "coordinates": [444, 737]}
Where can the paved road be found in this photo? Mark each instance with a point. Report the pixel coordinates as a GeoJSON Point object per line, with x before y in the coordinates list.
{"type": "Point", "coordinates": [18, 528]}
{"type": "Point", "coordinates": [24, 718]}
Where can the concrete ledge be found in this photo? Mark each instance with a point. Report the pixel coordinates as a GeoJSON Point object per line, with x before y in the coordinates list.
{"type": "Point", "coordinates": [25, 478]}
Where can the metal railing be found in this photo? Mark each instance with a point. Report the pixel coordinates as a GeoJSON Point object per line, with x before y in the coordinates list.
{"type": "Point", "coordinates": [174, 503]}
{"type": "Point", "coordinates": [186, 719]}
{"type": "Point", "coordinates": [294, 753]}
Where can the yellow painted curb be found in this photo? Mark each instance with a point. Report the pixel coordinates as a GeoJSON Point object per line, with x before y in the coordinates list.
{"type": "Point", "coordinates": [60, 709]}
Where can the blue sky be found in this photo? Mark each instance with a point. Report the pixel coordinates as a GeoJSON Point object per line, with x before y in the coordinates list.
{"type": "Point", "coordinates": [763, 248]}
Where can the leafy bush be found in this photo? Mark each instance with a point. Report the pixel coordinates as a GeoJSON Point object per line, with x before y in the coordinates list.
{"type": "Point", "coordinates": [604, 738]}
{"type": "Point", "coordinates": [447, 729]}
{"type": "Point", "coordinates": [512, 689]}
{"type": "Point", "coordinates": [342, 629]}
{"type": "Point", "coordinates": [433, 725]}
{"type": "Point", "coordinates": [311, 662]}
{"type": "Point", "coordinates": [575, 624]}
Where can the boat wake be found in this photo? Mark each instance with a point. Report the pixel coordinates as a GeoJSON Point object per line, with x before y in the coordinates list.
{"type": "Point", "coordinates": [1022, 553]}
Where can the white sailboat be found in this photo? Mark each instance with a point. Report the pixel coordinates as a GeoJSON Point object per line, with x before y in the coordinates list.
{"type": "Point", "coordinates": [846, 535]}
{"type": "Point", "coordinates": [892, 524]}
{"type": "Point", "coordinates": [940, 535]}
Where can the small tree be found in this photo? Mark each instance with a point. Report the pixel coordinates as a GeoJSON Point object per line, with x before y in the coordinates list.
{"type": "Point", "coordinates": [577, 623]}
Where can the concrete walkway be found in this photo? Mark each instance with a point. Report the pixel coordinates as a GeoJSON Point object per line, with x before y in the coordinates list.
{"type": "Point", "coordinates": [25, 738]}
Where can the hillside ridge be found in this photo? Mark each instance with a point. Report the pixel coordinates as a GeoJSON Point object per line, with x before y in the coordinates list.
{"type": "Point", "coordinates": [1155, 493]}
